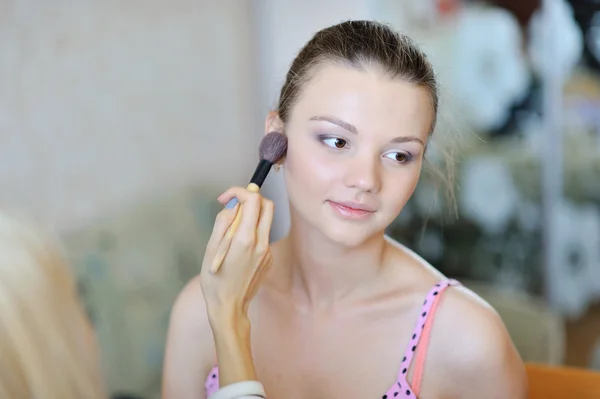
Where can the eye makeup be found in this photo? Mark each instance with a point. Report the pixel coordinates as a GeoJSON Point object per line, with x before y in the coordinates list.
{"type": "Point", "coordinates": [339, 143]}
{"type": "Point", "coordinates": [332, 141]}
{"type": "Point", "coordinates": [402, 157]}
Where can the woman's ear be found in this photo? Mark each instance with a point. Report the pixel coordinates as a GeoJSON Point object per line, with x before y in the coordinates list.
{"type": "Point", "coordinates": [273, 123]}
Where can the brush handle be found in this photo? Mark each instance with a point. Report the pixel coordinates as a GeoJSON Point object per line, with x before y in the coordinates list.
{"type": "Point", "coordinates": [220, 256]}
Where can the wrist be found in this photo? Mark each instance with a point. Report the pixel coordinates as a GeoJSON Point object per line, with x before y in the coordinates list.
{"type": "Point", "coordinates": [227, 318]}
{"type": "Point", "coordinates": [231, 333]}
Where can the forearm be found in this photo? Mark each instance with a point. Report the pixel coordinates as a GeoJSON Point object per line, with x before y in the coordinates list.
{"type": "Point", "coordinates": [234, 353]}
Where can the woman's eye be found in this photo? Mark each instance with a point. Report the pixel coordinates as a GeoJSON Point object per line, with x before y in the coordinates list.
{"type": "Point", "coordinates": [400, 157]}
{"type": "Point", "coordinates": [335, 142]}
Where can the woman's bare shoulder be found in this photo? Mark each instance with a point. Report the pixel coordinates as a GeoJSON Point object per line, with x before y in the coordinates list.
{"type": "Point", "coordinates": [471, 343]}
{"type": "Point", "coordinates": [472, 350]}
{"type": "Point", "coordinates": [190, 351]}
{"type": "Point", "coordinates": [189, 310]}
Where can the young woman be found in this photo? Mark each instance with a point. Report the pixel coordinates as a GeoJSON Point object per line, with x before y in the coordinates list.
{"type": "Point", "coordinates": [336, 309]}
{"type": "Point", "coordinates": [47, 346]}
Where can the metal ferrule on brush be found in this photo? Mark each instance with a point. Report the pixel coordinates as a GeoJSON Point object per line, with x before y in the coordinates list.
{"type": "Point", "coordinates": [258, 178]}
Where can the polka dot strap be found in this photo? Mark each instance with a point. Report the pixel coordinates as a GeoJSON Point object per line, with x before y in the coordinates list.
{"type": "Point", "coordinates": [211, 384]}
{"type": "Point", "coordinates": [425, 320]}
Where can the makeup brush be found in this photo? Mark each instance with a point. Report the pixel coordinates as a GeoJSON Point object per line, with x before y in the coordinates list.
{"type": "Point", "coordinates": [272, 148]}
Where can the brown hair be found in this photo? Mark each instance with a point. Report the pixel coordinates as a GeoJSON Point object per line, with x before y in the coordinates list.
{"type": "Point", "coordinates": [360, 44]}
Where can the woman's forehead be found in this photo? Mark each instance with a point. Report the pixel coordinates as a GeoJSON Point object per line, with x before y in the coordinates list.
{"type": "Point", "coordinates": [365, 97]}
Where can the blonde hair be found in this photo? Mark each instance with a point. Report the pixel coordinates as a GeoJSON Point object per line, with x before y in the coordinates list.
{"type": "Point", "coordinates": [47, 346]}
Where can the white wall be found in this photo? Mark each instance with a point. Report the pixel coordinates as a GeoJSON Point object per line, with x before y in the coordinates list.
{"type": "Point", "coordinates": [105, 102]}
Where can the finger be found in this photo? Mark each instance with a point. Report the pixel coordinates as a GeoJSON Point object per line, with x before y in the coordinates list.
{"type": "Point", "coordinates": [224, 243]}
{"type": "Point", "coordinates": [263, 235]}
{"type": "Point", "coordinates": [220, 254]}
{"type": "Point", "coordinates": [222, 223]}
{"type": "Point", "coordinates": [252, 188]}
{"type": "Point", "coordinates": [240, 193]}
{"type": "Point", "coordinates": [236, 222]}
{"type": "Point", "coordinates": [248, 217]}
{"type": "Point", "coordinates": [250, 212]}
{"type": "Point", "coordinates": [230, 198]}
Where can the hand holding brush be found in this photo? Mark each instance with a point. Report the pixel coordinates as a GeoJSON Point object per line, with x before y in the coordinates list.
{"type": "Point", "coordinates": [272, 149]}
{"type": "Point", "coordinates": [228, 293]}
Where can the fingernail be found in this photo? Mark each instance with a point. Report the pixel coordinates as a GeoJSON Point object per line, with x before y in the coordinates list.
{"type": "Point", "coordinates": [232, 203]}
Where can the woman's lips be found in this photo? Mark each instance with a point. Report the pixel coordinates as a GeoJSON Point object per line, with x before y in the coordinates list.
{"type": "Point", "coordinates": [351, 210]}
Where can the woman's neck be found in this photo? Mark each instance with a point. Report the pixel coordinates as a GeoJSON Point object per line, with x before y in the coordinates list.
{"type": "Point", "coordinates": [321, 273]}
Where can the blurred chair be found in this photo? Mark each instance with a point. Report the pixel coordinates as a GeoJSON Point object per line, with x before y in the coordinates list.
{"type": "Point", "coordinates": [551, 382]}
{"type": "Point", "coordinates": [537, 332]}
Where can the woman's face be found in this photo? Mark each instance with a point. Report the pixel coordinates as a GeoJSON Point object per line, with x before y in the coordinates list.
{"type": "Point", "coordinates": [356, 140]}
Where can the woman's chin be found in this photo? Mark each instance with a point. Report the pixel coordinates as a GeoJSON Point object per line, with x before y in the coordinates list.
{"type": "Point", "coordinates": [347, 237]}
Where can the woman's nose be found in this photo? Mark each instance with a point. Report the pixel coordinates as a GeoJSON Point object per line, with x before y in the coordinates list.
{"type": "Point", "coordinates": [364, 173]}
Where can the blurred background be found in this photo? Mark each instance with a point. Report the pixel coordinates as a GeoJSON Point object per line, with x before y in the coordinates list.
{"type": "Point", "coordinates": [121, 122]}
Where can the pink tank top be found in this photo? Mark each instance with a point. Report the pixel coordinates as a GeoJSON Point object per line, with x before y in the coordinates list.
{"type": "Point", "coordinates": [417, 348]}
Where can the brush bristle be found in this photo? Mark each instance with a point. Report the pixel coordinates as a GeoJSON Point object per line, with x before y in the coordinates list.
{"type": "Point", "coordinates": [273, 147]}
